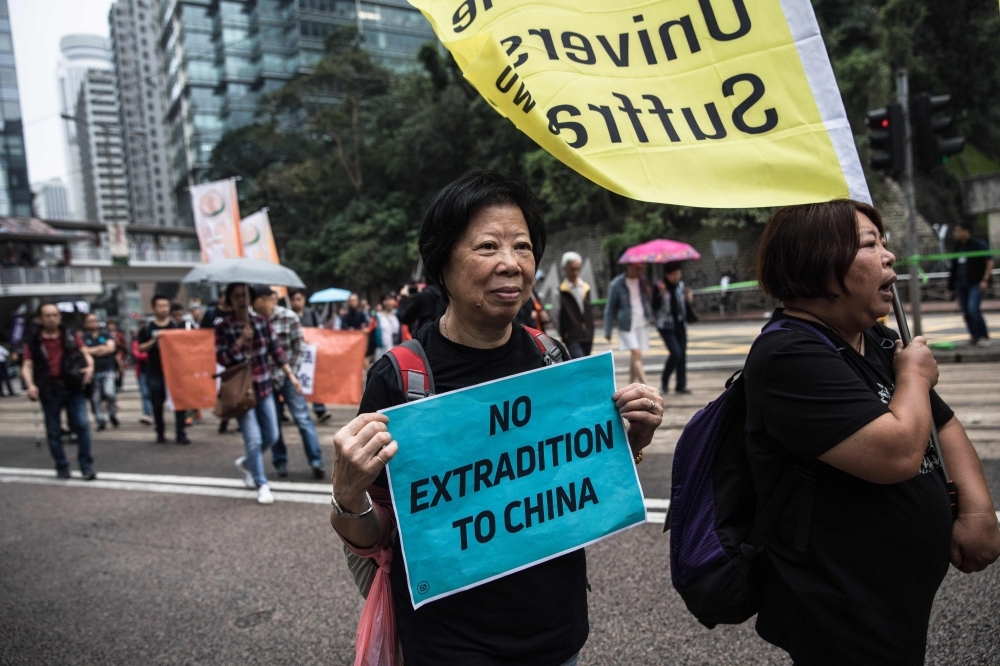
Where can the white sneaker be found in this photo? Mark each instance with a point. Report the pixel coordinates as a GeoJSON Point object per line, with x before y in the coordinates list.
{"type": "Point", "coordinates": [245, 473]}
{"type": "Point", "coordinates": [983, 342]}
{"type": "Point", "coordinates": [264, 495]}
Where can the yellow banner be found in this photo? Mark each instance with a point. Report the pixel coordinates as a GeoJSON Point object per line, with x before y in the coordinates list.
{"type": "Point", "coordinates": [713, 103]}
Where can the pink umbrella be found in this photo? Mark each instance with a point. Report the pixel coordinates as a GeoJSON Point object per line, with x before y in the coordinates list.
{"type": "Point", "coordinates": [659, 251]}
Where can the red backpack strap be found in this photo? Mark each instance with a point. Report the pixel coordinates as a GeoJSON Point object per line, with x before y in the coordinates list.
{"type": "Point", "coordinates": [412, 370]}
{"type": "Point", "coordinates": [550, 350]}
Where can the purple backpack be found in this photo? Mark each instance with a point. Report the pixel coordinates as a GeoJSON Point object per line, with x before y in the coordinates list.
{"type": "Point", "coordinates": [716, 533]}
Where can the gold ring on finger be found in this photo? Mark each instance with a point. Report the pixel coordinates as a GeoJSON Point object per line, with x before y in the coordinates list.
{"type": "Point", "coordinates": [379, 456]}
{"type": "Point", "coordinates": [652, 406]}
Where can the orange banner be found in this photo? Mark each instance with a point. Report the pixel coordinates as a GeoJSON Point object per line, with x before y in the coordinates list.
{"type": "Point", "coordinates": [188, 359]}
{"type": "Point", "coordinates": [340, 365]}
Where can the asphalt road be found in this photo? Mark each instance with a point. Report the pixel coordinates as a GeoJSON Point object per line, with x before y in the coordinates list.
{"type": "Point", "coordinates": [147, 570]}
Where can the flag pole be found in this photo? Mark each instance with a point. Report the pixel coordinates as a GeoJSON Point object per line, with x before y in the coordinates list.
{"type": "Point", "coordinates": [904, 334]}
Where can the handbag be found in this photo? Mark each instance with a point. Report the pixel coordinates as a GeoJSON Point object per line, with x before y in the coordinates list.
{"type": "Point", "coordinates": [236, 395]}
{"type": "Point", "coordinates": [73, 363]}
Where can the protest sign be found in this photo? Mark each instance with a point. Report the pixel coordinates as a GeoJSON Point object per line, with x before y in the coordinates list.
{"type": "Point", "coordinates": [188, 360]}
{"type": "Point", "coordinates": [307, 369]}
{"type": "Point", "coordinates": [713, 103]}
{"type": "Point", "coordinates": [497, 477]}
{"type": "Point", "coordinates": [340, 365]}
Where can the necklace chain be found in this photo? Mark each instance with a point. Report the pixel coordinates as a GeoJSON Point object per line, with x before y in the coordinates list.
{"type": "Point", "coordinates": [833, 328]}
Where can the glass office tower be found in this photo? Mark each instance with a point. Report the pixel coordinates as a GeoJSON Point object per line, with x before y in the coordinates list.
{"type": "Point", "coordinates": [15, 191]}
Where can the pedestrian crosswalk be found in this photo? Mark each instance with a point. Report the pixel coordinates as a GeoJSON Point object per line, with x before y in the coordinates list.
{"type": "Point", "coordinates": [303, 493]}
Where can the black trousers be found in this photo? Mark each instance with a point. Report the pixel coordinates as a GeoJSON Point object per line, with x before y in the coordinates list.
{"type": "Point", "coordinates": [676, 342]}
{"type": "Point", "coordinates": [579, 349]}
{"type": "Point", "coordinates": [157, 396]}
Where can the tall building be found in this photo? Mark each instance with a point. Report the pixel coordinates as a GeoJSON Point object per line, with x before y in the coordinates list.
{"type": "Point", "coordinates": [141, 98]}
{"type": "Point", "coordinates": [99, 137]}
{"type": "Point", "coordinates": [79, 54]}
{"type": "Point", "coordinates": [15, 192]}
{"type": "Point", "coordinates": [52, 200]}
{"type": "Point", "coordinates": [221, 56]}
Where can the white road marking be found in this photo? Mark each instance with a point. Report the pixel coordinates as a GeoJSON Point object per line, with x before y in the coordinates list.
{"type": "Point", "coordinates": [319, 488]}
{"type": "Point", "coordinates": [308, 493]}
{"type": "Point", "coordinates": [284, 491]}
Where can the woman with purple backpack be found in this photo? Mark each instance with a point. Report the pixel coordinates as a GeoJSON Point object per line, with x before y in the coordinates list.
{"type": "Point", "coordinates": [857, 554]}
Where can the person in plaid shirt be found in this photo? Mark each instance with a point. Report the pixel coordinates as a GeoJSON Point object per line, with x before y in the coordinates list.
{"type": "Point", "coordinates": [289, 331]}
{"type": "Point", "coordinates": [240, 336]}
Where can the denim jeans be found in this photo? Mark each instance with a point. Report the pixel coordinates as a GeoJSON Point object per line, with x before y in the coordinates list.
{"type": "Point", "coordinates": [5, 378]}
{"type": "Point", "coordinates": [75, 403]}
{"type": "Point", "coordinates": [104, 390]}
{"type": "Point", "coordinates": [147, 404]}
{"type": "Point", "coordinates": [307, 430]}
{"type": "Point", "coordinates": [158, 395]}
{"type": "Point", "coordinates": [260, 431]}
{"type": "Point", "coordinates": [970, 300]}
{"type": "Point", "coordinates": [676, 342]}
{"type": "Point", "coordinates": [579, 349]}
{"type": "Point", "coordinates": [572, 661]}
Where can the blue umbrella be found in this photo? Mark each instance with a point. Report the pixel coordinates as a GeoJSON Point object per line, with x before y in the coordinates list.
{"type": "Point", "coordinates": [331, 295]}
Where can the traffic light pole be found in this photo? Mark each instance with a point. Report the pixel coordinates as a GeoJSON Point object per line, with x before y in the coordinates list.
{"type": "Point", "coordinates": [903, 99]}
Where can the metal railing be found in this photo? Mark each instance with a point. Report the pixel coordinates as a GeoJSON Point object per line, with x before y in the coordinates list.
{"type": "Point", "coordinates": [138, 254]}
{"type": "Point", "coordinates": [49, 275]}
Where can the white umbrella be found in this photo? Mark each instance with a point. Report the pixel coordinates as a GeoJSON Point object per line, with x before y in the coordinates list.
{"type": "Point", "coordinates": [245, 270]}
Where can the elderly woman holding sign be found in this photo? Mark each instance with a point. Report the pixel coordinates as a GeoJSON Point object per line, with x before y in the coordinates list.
{"type": "Point", "coordinates": [481, 239]}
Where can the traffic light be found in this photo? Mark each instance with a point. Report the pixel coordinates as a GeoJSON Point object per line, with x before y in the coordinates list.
{"type": "Point", "coordinates": [887, 138]}
{"type": "Point", "coordinates": [930, 150]}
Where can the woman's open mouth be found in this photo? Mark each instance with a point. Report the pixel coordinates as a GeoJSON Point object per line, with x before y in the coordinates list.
{"type": "Point", "coordinates": [885, 291]}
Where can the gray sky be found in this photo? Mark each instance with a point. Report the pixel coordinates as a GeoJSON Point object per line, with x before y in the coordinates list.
{"type": "Point", "coordinates": [37, 26]}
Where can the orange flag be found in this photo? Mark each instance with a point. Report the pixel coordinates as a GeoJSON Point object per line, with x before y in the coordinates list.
{"type": "Point", "coordinates": [188, 359]}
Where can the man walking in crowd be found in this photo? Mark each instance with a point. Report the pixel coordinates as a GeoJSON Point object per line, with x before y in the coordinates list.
{"type": "Point", "coordinates": [576, 315]}
{"type": "Point", "coordinates": [121, 349]}
{"type": "Point", "coordinates": [629, 308]}
{"type": "Point", "coordinates": [308, 319]}
{"type": "Point", "coordinates": [672, 304]}
{"type": "Point", "coordinates": [154, 368]}
{"type": "Point", "coordinates": [355, 319]}
{"type": "Point", "coordinates": [102, 347]}
{"type": "Point", "coordinates": [968, 281]}
{"type": "Point", "coordinates": [56, 369]}
{"type": "Point", "coordinates": [289, 332]}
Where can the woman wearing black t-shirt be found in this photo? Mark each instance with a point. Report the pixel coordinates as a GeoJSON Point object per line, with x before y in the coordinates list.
{"type": "Point", "coordinates": [854, 562]}
{"type": "Point", "coordinates": [480, 241]}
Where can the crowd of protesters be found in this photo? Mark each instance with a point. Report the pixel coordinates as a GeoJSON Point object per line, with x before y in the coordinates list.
{"type": "Point", "coordinates": [848, 572]}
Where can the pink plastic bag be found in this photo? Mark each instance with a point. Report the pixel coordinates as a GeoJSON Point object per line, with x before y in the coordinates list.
{"type": "Point", "coordinates": [376, 637]}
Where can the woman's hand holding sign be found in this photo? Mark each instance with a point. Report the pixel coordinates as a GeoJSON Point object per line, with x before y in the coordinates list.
{"type": "Point", "coordinates": [361, 450]}
{"type": "Point", "coordinates": [642, 408]}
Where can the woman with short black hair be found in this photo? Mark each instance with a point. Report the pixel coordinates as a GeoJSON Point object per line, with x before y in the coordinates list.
{"type": "Point", "coordinates": [481, 239]}
{"type": "Point", "coordinates": [855, 559]}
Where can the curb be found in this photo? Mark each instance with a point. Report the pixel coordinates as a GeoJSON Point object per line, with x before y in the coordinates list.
{"type": "Point", "coordinates": [967, 355]}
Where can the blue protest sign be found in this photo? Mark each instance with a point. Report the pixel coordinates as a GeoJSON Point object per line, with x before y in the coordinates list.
{"type": "Point", "coordinates": [500, 476]}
